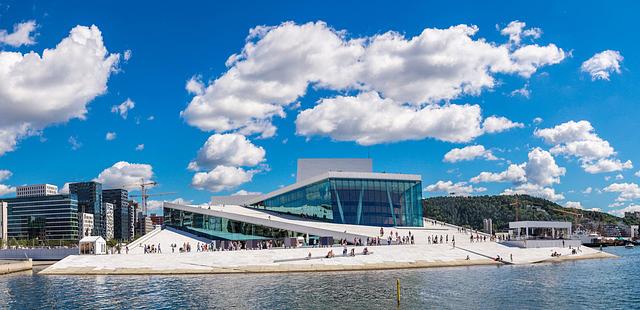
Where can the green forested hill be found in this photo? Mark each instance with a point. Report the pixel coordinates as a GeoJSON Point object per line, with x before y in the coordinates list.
{"type": "Point", "coordinates": [470, 211]}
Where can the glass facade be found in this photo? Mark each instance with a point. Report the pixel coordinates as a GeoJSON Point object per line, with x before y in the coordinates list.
{"type": "Point", "coordinates": [217, 228]}
{"type": "Point", "coordinates": [371, 202]}
{"type": "Point", "coordinates": [44, 218]}
{"type": "Point", "coordinates": [90, 201]}
{"type": "Point", "coordinates": [121, 212]}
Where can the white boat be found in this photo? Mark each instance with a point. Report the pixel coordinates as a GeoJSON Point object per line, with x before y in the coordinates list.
{"type": "Point", "coordinates": [629, 246]}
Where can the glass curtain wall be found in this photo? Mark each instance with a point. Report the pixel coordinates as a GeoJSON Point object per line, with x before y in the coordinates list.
{"type": "Point", "coordinates": [354, 201]}
{"type": "Point", "coordinates": [217, 228]}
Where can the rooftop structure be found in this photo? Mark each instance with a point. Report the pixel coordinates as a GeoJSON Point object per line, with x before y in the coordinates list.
{"type": "Point", "coordinates": [36, 190]}
{"type": "Point", "coordinates": [310, 167]}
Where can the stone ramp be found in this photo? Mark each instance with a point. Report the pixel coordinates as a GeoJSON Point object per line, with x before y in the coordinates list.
{"type": "Point", "coordinates": [165, 237]}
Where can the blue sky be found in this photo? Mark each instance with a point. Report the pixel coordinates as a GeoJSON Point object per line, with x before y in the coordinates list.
{"type": "Point", "coordinates": [352, 102]}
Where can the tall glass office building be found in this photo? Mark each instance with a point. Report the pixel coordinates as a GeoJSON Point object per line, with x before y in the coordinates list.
{"type": "Point", "coordinates": [46, 218]}
{"type": "Point", "coordinates": [90, 201]}
{"type": "Point", "coordinates": [359, 201]}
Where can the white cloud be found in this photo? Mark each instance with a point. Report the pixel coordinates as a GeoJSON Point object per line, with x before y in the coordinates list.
{"type": "Point", "coordinates": [110, 136]}
{"type": "Point", "coordinates": [6, 189]}
{"type": "Point", "coordinates": [602, 64]}
{"type": "Point", "coordinates": [637, 173]}
{"type": "Point", "coordinates": [65, 188]}
{"type": "Point", "coordinates": [5, 174]}
{"type": "Point", "coordinates": [277, 65]}
{"type": "Point", "coordinates": [515, 30]}
{"type": "Point", "coordinates": [243, 192]}
{"type": "Point", "coordinates": [619, 176]}
{"type": "Point", "coordinates": [468, 153]}
{"type": "Point", "coordinates": [369, 119]}
{"type": "Point", "coordinates": [156, 205]}
{"type": "Point", "coordinates": [580, 140]}
{"type": "Point", "coordinates": [126, 55]}
{"type": "Point", "coordinates": [227, 150]}
{"type": "Point", "coordinates": [630, 208]}
{"type": "Point", "coordinates": [140, 147]}
{"type": "Point", "coordinates": [513, 174]}
{"type": "Point", "coordinates": [195, 86]}
{"type": "Point", "coordinates": [573, 204]}
{"type": "Point", "coordinates": [606, 165]}
{"type": "Point", "coordinates": [537, 120]}
{"type": "Point", "coordinates": [495, 124]}
{"type": "Point", "coordinates": [534, 190]}
{"type": "Point", "coordinates": [458, 189]}
{"type": "Point", "coordinates": [524, 91]}
{"type": "Point", "coordinates": [75, 144]}
{"type": "Point", "coordinates": [123, 108]}
{"type": "Point", "coordinates": [587, 190]}
{"type": "Point", "coordinates": [123, 174]}
{"type": "Point", "coordinates": [628, 191]}
{"type": "Point", "coordinates": [37, 90]}
{"type": "Point", "coordinates": [221, 178]}
{"type": "Point", "coordinates": [541, 169]}
{"type": "Point", "coordinates": [21, 35]}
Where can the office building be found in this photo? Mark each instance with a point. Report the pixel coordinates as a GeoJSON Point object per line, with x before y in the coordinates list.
{"type": "Point", "coordinates": [133, 218]}
{"type": "Point", "coordinates": [36, 190]}
{"type": "Point", "coordinates": [107, 208]}
{"type": "Point", "coordinates": [487, 225]}
{"type": "Point", "coordinates": [90, 201]}
{"type": "Point", "coordinates": [122, 224]}
{"type": "Point", "coordinates": [3, 224]}
{"type": "Point", "coordinates": [327, 193]}
{"type": "Point", "coordinates": [45, 218]}
{"type": "Point", "coordinates": [143, 225]}
{"type": "Point", "coordinates": [85, 224]}
{"type": "Point", "coordinates": [156, 219]}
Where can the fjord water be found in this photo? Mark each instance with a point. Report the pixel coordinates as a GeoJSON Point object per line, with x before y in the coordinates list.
{"type": "Point", "coordinates": [587, 284]}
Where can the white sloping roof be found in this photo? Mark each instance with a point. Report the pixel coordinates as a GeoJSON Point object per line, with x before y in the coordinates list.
{"type": "Point", "coordinates": [259, 217]}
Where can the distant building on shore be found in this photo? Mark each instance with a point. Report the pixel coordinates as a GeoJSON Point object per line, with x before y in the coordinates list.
{"type": "Point", "coordinates": [133, 218]}
{"type": "Point", "coordinates": [89, 195]}
{"type": "Point", "coordinates": [45, 218]}
{"type": "Point", "coordinates": [156, 219]}
{"type": "Point", "coordinates": [85, 224]}
{"type": "Point", "coordinates": [3, 223]}
{"type": "Point", "coordinates": [108, 220]}
{"type": "Point", "coordinates": [36, 190]}
{"type": "Point", "coordinates": [488, 226]}
{"type": "Point", "coordinates": [122, 213]}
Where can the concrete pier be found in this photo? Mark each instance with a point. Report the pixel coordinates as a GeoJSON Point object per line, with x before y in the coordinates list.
{"type": "Point", "coordinates": [7, 266]}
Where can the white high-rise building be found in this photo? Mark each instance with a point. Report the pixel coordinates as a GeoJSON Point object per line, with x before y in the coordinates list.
{"type": "Point", "coordinates": [108, 219]}
{"type": "Point", "coordinates": [85, 224]}
{"type": "Point", "coordinates": [36, 190]}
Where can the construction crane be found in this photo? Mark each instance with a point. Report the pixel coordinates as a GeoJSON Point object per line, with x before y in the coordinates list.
{"type": "Point", "coordinates": [143, 191]}
{"type": "Point", "coordinates": [145, 198]}
{"type": "Point", "coordinates": [517, 207]}
{"type": "Point", "coordinates": [576, 215]}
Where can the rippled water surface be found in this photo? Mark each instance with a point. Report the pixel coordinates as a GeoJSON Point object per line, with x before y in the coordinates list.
{"type": "Point", "coordinates": [589, 284]}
